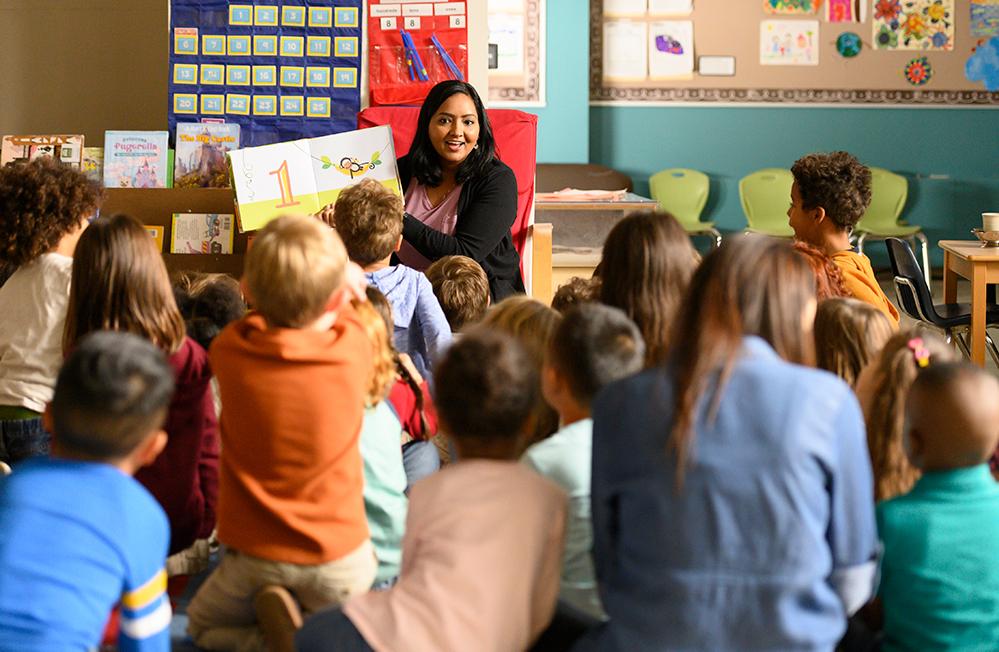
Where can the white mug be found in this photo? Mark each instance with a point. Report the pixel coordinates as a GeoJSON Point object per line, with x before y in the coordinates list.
{"type": "Point", "coordinates": [990, 221]}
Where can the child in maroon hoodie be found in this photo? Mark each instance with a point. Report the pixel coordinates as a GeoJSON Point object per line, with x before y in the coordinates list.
{"type": "Point", "coordinates": [120, 283]}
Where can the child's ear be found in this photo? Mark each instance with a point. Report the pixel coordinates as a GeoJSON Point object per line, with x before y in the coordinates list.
{"type": "Point", "coordinates": [338, 299]}
{"type": "Point", "coordinates": [398, 243]}
{"type": "Point", "coordinates": [150, 448]}
{"type": "Point", "coordinates": [820, 213]}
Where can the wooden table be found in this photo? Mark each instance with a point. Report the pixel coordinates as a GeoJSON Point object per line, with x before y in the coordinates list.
{"type": "Point", "coordinates": [980, 265]}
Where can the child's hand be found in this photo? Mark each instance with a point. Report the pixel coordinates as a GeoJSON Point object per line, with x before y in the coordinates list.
{"type": "Point", "coordinates": [326, 215]}
{"type": "Point", "coordinates": [407, 362]}
{"type": "Point", "coordinates": [355, 282]}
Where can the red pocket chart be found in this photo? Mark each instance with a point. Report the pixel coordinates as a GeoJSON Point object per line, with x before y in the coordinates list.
{"type": "Point", "coordinates": [391, 79]}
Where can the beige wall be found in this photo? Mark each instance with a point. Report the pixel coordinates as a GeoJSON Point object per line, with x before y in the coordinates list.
{"type": "Point", "coordinates": [86, 66]}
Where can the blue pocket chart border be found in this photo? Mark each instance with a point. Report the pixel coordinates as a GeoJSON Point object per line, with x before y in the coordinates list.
{"type": "Point", "coordinates": [313, 109]}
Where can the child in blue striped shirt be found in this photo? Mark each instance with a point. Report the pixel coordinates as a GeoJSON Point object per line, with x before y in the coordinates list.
{"type": "Point", "coordinates": [78, 534]}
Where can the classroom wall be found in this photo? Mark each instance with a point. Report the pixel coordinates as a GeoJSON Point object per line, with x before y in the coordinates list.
{"type": "Point", "coordinates": [950, 156]}
{"type": "Point", "coordinates": [563, 124]}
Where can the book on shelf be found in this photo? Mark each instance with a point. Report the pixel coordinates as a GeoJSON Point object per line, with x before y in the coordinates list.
{"type": "Point", "coordinates": [66, 148]}
{"type": "Point", "coordinates": [93, 164]}
{"type": "Point", "coordinates": [201, 233]}
{"type": "Point", "coordinates": [135, 159]}
{"type": "Point", "coordinates": [200, 155]}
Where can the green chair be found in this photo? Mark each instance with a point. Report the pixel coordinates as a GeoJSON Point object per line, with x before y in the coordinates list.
{"type": "Point", "coordinates": [888, 194]}
{"type": "Point", "coordinates": [765, 196]}
{"type": "Point", "coordinates": [684, 193]}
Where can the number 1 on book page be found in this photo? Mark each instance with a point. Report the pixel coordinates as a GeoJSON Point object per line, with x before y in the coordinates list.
{"type": "Point", "coordinates": [284, 185]}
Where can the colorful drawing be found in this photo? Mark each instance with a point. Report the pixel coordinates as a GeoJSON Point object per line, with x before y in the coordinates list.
{"type": "Point", "coordinates": [918, 71]}
{"type": "Point", "coordinates": [201, 233]}
{"type": "Point", "coordinates": [791, 6]}
{"type": "Point", "coordinates": [666, 43]}
{"type": "Point", "coordinates": [984, 18]}
{"type": "Point", "coordinates": [913, 24]}
{"type": "Point", "coordinates": [671, 49]}
{"type": "Point", "coordinates": [848, 44]}
{"type": "Point", "coordinates": [351, 166]}
{"type": "Point", "coordinates": [846, 11]}
{"type": "Point", "coordinates": [789, 43]}
{"type": "Point", "coordinates": [983, 65]}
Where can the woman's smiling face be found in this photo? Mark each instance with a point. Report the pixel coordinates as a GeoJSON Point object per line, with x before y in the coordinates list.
{"type": "Point", "coordinates": [454, 130]}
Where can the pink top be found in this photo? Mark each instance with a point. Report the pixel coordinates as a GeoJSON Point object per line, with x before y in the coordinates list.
{"type": "Point", "coordinates": [480, 563]}
{"type": "Point", "coordinates": [443, 217]}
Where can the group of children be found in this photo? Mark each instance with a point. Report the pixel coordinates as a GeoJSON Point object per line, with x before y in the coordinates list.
{"type": "Point", "coordinates": [391, 463]}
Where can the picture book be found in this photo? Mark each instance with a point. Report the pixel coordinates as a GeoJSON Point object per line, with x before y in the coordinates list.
{"type": "Point", "coordinates": [66, 148]}
{"type": "Point", "coordinates": [156, 232]}
{"type": "Point", "coordinates": [201, 233]}
{"type": "Point", "coordinates": [135, 159]}
{"type": "Point", "coordinates": [93, 164]}
{"type": "Point", "coordinates": [302, 176]}
{"type": "Point", "coordinates": [200, 154]}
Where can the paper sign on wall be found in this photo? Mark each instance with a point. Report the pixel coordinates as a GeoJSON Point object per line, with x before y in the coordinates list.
{"type": "Point", "coordinates": [670, 7]}
{"type": "Point", "coordinates": [789, 43]}
{"type": "Point", "coordinates": [302, 176]}
{"type": "Point", "coordinates": [626, 54]}
{"type": "Point", "coordinates": [671, 49]}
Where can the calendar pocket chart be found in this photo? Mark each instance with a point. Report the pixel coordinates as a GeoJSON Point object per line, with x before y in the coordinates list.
{"type": "Point", "coordinates": [281, 70]}
{"type": "Point", "coordinates": [302, 176]}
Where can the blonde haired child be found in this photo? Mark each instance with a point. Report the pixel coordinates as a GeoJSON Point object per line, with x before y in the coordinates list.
{"type": "Point", "coordinates": [533, 324]}
{"type": "Point", "coordinates": [848, 333]}
{"type": "Point", "coordinates": [293, 378]}
{"type": "Point", "coordinates": [881, 388]}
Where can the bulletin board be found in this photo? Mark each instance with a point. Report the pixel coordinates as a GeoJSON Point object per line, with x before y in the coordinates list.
{"type": "Point", "coordinates": [517, 52]}
{"type": "Point", "coordinates": [283, 71]}
{"type": "Point", "coordinates": [879, 73]}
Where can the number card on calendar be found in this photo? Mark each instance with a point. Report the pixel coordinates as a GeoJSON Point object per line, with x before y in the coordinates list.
{"type": "Point", "coordinates": [302, 176]}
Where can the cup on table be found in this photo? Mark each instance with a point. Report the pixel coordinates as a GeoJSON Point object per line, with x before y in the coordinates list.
{"type": "Point", "coordinates": [990, 222]}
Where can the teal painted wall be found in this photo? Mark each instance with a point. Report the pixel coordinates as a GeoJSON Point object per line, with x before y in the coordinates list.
{"type": "Point", "coordinates": [950, 156]}
{"type": "Point", "coordinates": [563, 124]}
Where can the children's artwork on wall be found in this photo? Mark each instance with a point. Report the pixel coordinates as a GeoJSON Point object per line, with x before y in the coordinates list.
{"type": "Point", "coordinates": [791, 6]}
{"type": "Point", "coordinates": [671, 7]}
{"type": "Point", "coordinates": [305, 175]}
{"type": "Point", "coordinates": [626, 54]}
{"type": "Point", "coordinates": [984, 18]}
{"type": "Point", "coordinates": [983, 65]}
{"type": "Point", "coordinates": [671, 49]}
{"type": "Point", "coordinates": [625, 7]}
{"type": "Point", "coordinates": [789, 43]}
{"type": "Point", "coordinates": [913, 24]}
{"type": "Point", "coordinates": [68, 149]}
{"type": "Point", "coordinates": [846, 11]}
{"type": "Point", "coordinates": [201, 233]}
{"type": "Point", "coordinates": [848, 44]}
{"type": "Point", "coordinates": [224, 61]}
{"type": "Point", "coordinates": [918, 71]}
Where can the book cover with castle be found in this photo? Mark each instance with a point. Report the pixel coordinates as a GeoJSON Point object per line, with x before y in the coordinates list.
{"type": "Point", "coordinates": [135, 159]}
{"type": "Point", "coordinates": [200, 154]}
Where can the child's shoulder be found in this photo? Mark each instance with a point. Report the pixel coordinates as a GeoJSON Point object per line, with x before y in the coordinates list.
{"type": "Point", "coordinates": [850, 259]}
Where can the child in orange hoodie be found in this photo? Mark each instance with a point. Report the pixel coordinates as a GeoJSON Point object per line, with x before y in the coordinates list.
{"type": "Point", "coordinates": [292, 377]}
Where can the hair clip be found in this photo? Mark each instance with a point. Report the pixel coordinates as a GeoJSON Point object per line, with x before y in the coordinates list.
{"type": "Point", "coordinates": [919, 352]}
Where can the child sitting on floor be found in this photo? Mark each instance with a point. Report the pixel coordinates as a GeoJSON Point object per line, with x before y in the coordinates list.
{"type": "Point", "coordinates": [369, 220]}
{"type": "Point", "coordinates": [483, 540]}
{"type": "Point", "coordinates": [940, 568]}
{"type": "Point", "coordinates": [575, 291]}
{"type": "Point", "coordinates": [462, 288]}
{"type": "Point", "coordinates": [293, 378]}
{"type": "Point", "coordinates": [208, 303]}
{"type": "Point", "coordinates": [848, 334]}
{"type": "Point", "coordinates": [828, 197]}
{"type": "Point", "coordinates": [45, 206]}
{"type": "Point", "coordinates": [593, 346]}
{"type": "Point", "coordinates": [77, 533]}
{"type": "Point", "coordinates": [881, 389]}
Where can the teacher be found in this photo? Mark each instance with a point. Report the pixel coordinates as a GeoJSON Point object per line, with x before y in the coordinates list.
{"type": "Point", "coordinates": [460, 199]}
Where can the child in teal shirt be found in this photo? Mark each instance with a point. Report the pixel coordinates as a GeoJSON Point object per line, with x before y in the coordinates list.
{"type": "Point", "coordinates": [940, 572]}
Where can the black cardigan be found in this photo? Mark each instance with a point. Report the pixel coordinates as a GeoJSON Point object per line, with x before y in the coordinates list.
{"type": "Point", "coordinates": [487, 208]}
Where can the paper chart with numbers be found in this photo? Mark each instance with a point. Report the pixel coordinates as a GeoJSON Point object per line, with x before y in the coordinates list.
{"type": "Point", "coordinates": [302, 176]}
{"type": "Point", "coordinates": [282, 71]}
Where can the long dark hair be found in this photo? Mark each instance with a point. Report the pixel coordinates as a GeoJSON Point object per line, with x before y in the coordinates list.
{"type": "Point", "coordinates": [751, 285]}
{"type": "Point", "coordinates": [646, 266]}
{"type": "Point", "coordinates": [424, 159]}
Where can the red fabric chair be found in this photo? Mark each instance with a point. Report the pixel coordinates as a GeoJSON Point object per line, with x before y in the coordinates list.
{"type": "Point", "coordinates": [516, 135]}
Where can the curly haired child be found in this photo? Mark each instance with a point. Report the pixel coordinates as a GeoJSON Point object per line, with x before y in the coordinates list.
{"type": "Point", "coordinates": [45, 207]}
{"type": "Point", "coordinates": [881, 389]}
